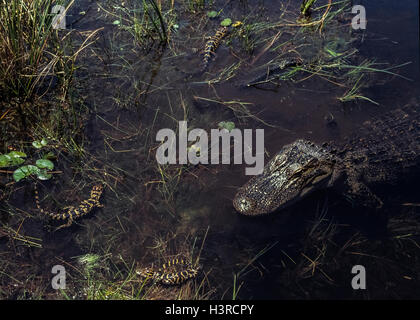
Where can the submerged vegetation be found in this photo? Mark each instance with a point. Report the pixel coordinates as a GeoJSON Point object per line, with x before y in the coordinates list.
{"type": "Point", "coordinates": [82, 106]}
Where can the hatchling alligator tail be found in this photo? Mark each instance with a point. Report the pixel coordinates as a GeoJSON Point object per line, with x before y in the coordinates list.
{"type": "Point", "coordinates": [384, 151]}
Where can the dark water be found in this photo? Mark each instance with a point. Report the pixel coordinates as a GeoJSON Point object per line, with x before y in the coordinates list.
{"type": "Point", "coordinates": [132, 94]}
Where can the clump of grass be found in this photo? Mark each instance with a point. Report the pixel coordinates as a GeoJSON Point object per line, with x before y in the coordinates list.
{"type": "Point", "coordinates": [97, 277]}
{"type": "Point", "coordinates": [148, 22]}
{"type": "Point", "coordinates": [247, 266]}
{"type": "Point", "coordinates": [32, 53]}
{"type": "Point", "coordinates": [26, 36]}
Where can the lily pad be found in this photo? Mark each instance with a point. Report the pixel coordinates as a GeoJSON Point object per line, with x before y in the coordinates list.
{"type": "Point", "coordinates": [17, 154]}
{"type": "Point", "coordinates": [39, 144]}
{"type": "Point", "coordinates": [212, 14]}
{"type": "Point", "coordinates": [4, 161]}
{"type": "Point", "coordinates": [44, 163]}
{"type": "Point", "coordinates": [25, 171]}
{"type": "Point", "coordinates": [226, 22]}
{"type": "Point", "coordinates": [44, 175]}
{"type": "Point", "coordinates": [13, 158]}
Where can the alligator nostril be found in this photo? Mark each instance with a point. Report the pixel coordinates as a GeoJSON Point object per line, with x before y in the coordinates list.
{"type": "Point", "coordinates": [242, 205]}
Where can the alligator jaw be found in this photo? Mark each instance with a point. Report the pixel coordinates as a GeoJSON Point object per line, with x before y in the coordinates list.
{"type": "Point", "coordinates": [296, 171]}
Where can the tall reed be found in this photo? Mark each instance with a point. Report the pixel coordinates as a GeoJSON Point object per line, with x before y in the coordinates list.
{"type": "Point", "coordinates": [28, 46]}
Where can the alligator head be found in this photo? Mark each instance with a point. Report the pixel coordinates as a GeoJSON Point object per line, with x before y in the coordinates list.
{"type": "Point", "coordinates": [295, 171]}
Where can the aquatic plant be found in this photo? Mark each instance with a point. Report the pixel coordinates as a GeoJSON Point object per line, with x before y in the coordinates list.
{"type": "Point", "coordinates": [26, 36]}
{"type": "Point", "coordinates": [226, 22]}
{"type": "Point", "coordinates": [212, 14]}
{"type": "Point", "coordinates": [39, 169]}
{"type": "Point", "coordinates": [305, 8]}
{"type": "Point", "coordinates": [149, 22]}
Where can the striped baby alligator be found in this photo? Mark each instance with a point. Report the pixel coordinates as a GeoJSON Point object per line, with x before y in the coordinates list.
{"type": "Point", "coordinates": [168, 274]}
{"type": "Point", "coordinates": [211, 46]}
{"type": "Point", "coordinates": [385, 151]}
{"type": "Point", "coordinates": [71, 212]}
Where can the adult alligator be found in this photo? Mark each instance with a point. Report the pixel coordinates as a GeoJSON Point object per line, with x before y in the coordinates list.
{"type": "Point", "coordinates": [384, 151]}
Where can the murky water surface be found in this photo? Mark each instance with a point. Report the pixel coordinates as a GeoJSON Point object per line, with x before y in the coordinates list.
{"type": "Point", "coordinates": [132, 92]}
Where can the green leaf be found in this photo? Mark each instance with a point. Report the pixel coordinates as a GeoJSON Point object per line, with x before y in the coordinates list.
{"type": "Point", "coordinates": [24, 172]}
{"type": "Point", "coordinates": [44, 163]}
{"type": "Point", "coordinates": [49, 155]}
{"type": "Point", "coordinates": [4, 161]}
{"type": "Point", "coordinates": [39, 144]}
{"type": "Point", "coordinates": [44, 175]}
{"type": "Point", "coordinates": [116, 22]}
{"type": "Point", "coordinates": [16, 161]}
{"type": "Point", "coordinates": [12, 158]}
{"type": "Point", "coordinates": [212, 14]}
{"type": "Point", "coordinates": [228, 125]}
{"type": "Point", "coordinates": [226, 22]}
{"type": "Point", "coordinates": [17, 154]}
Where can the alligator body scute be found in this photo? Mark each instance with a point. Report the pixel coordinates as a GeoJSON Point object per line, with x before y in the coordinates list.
{"type": "Point", "coordinates": [384, 151]}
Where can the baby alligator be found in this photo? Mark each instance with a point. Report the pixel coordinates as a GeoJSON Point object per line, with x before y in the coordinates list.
{"type": "Point", "coordinates": [71, 212]}
{"type": "Point", "coordinates": [166, 275]}
{"type": "Point", "coordinates": [385, 151]}
{"type": "Point", "coordinates": [211, 46]}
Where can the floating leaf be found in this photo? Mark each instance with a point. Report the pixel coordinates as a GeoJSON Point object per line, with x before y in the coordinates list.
{"type": "Point", "coordinates": [17, 154]}
{"type": "Point", "coordinates": [44, 163]}
{"type": "Point", "coordinates": [226, 22]}
{"type": "Point", "coordinates": [212, 14]}
{"type": "Point", "coordinates": [4, 161]}
{"type": "Point", "coordinates": [25, 171]}
{"type": "Point", "coordinates": [13, 158]}
{"type": "Point", "coordinates": [228, 125]}
{"type": "Point", "coordinates": [44, 175]}
{"type": "Point", "coordinates": [17, 161]}
{"type": "Point", "coordinates": [37, 144]}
